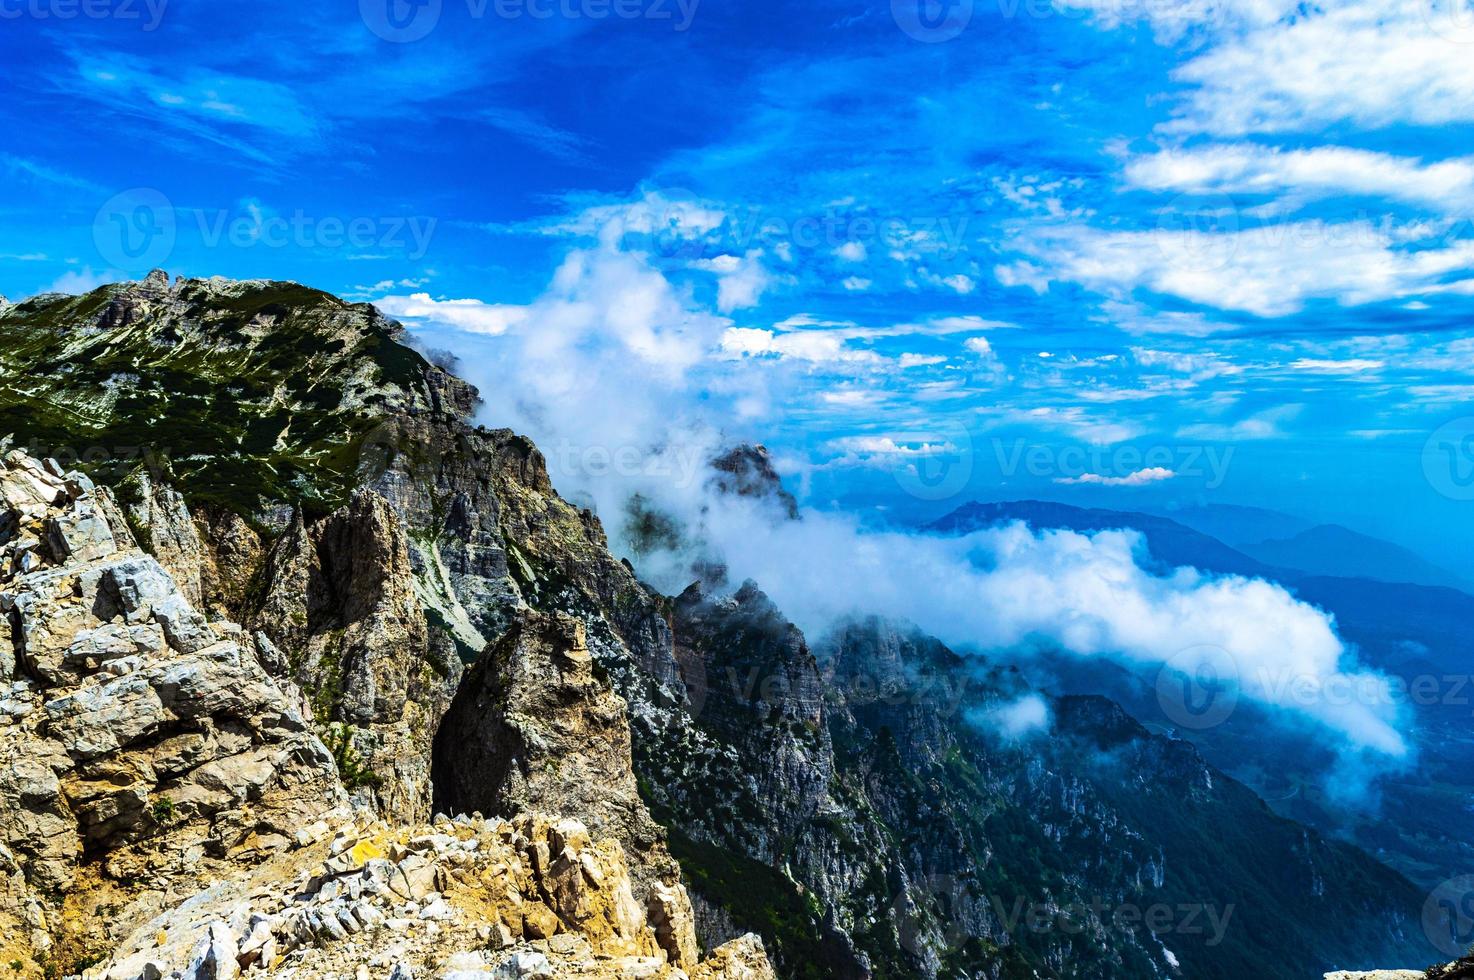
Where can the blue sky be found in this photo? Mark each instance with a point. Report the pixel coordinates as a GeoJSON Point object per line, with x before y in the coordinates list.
{"type": "Point", "coordinates": [1120, 252]}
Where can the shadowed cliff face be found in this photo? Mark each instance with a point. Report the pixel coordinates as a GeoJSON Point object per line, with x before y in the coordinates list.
{"type": "Point", "coordinates": [532, 728]}
{"type": "Point", "coordinates": [464, 639]}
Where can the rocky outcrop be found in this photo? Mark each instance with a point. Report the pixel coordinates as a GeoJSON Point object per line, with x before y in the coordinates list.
{"type": "Point", "coordinates": [748, 471]}
{"type": "Point", "coordinates": [162, 526]}
{"type": "Point", "coordinates": [533, 727]}
{"type": "Point", "coordinates": [468, 899]}
{"type": "Point", "coordinates": [141, 745]}
{"type": "Point", "coordinates": [341, 611]}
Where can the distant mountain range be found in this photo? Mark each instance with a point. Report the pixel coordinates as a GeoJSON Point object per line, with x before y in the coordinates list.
{"type": "Point", "coordinates": [1230, 539]}
{"type": "Point", "coordinates": [1329, 549]}
{"type": "Point", "coordinates": [1402, 628]}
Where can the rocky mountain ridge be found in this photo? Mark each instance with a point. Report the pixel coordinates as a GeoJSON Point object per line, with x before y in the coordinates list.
{"type": "Point", "coordinates": [148, 751]}
{"type": "Point", "coordinates": [464, 639]}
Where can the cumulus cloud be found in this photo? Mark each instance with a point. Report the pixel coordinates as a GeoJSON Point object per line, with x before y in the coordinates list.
{"type": "Point", "coordinates": [1259, 66]}
{"type": "Point", "coordinates": [463, 314]}
{"type": "Point", "coordinates": [1013, 720]}
{"type": "Point", "coordinates": [1322, 171]}
{"type": "Point", "coordinates": [1343, 62]}
{"type": "Point", "coordinates": [741, 281]}
{"type": "Point", "coordinates": [1152, 474]}
{"type": "Point", "coordinates": [614, 356]}
{"type": "Point", "coordinates": [1269, 271]}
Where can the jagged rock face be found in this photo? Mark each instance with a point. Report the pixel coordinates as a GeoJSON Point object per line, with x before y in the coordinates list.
{"type": "Point", "coordinates": [163, 527]}
{"type": "Point", "coordinates": [470, 898]}
{"type": "Point", "coordinates": [747, 471]}
{"type": "Point", "coordinates": [533, 728]}
{"type": "Point", "coordinates": [139, 740]}
{"type": "Point", "coordinates": [341, 611]}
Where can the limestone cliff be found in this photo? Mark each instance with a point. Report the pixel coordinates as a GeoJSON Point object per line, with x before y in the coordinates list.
{"type": "Point", "coordinates": [143, 747]}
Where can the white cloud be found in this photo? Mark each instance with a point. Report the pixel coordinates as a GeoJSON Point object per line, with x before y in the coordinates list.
{"type": "Point", "coordinates": [1279, 65]}
{"type": "Point", "coordinates": [1013, 720]}
{"type": "Point", "coordinates": [817, 346]}
{"type": "Point", "coordinates": [1084, 594]}
{"type": "Point", "coordinates": [1140, 478]}
{"type": "Point", "coordinates": [1139, 320]}
{"type": "Point", "coordinates": [851, 252]}
{"type": "Point", "coordinates": [1023, 274]}
{"type": "Point", "coordinates": [673, 216]}
{"type": "Point", "coordinates": [1311, 365]}
{"type": "Point", "coordinates": [1197, 367]}
{"type": "Point", "coordinates": [959, 283]}
{"type": "Point", "coordinates": [1076, 421]}
{"type": "Point", "coordinates": [1269, 271]}
{"type": "Point", "coordinates": [1325, 171]}
{"type": "Point", "coordinates": [463, 314]}
{"type": "Point", "coordinates": [855, 284]}
{"type": "Point", "coordinates": [84, 280]}
{"type": "Point", "coordinates": [1262, 425]}
{"type": "Point", "coordinates": [612, 330]}
{"type": "Point", "coordinates": [741, 281]}
{"type": "Point", "coordinates": [1372, 63]}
